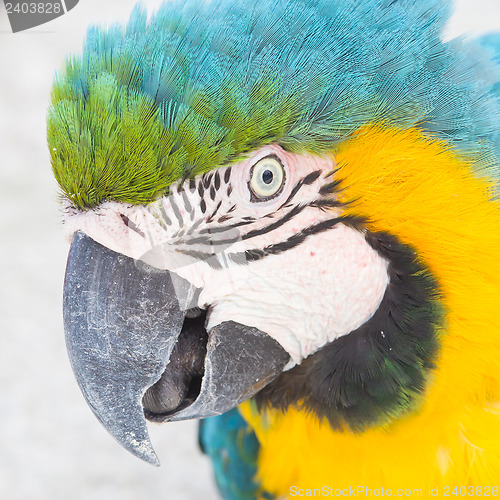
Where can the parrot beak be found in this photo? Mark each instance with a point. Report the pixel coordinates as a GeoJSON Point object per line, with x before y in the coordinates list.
{"type": "Point", "coordinates": [138, 347]}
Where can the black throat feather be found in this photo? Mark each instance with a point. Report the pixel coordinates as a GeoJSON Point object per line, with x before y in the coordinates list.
{"type": "Point", "coordinates": [379, 371]}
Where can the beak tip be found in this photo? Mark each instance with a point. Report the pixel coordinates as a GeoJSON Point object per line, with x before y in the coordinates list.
{"type": "Point", "coordinates": [143, 450]}
{"type": "Point", "coordinates": [149, 458]}
{"type": "Point", "coordinates": [152, 459]}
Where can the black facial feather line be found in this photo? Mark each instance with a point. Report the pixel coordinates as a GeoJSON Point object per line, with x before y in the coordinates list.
{"type": "Point", "coordinates": [379, 371]}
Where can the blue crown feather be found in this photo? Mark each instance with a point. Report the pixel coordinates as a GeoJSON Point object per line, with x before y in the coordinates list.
{"type": "Point", "coordinates": [206, 84]}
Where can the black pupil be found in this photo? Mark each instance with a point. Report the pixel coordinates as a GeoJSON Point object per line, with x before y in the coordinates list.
{"type": "Point", "coordinates": [267, 176]}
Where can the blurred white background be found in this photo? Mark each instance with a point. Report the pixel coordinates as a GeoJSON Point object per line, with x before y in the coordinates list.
{"type": "Point", "coordinates": [51, 446]}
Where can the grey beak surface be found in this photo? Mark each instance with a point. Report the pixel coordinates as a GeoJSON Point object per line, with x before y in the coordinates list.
{"type": "Point", "coordinates": [240, 361]}
{"type": "Point", "coordinates": [121, 323]}
{"type": "Point", "coordinates": [136, 352]}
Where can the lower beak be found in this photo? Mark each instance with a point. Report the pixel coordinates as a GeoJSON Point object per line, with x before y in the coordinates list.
{"type": "Point", "coordinates": [138, 347]}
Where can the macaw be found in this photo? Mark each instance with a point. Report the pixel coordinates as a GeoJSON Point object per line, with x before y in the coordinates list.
{"type": "Point", "coordinates": [284, 220]}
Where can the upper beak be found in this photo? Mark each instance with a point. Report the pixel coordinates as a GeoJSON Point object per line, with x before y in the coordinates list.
{"type": "Point", "coordinates": [132, 341]}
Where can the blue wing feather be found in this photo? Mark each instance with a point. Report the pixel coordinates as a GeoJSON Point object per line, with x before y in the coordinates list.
{"type": "Point", "coordinates": [233, 448]}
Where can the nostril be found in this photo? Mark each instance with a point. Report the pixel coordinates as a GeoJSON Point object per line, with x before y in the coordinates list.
{"type": "Point", "coordinates": [180, 383]}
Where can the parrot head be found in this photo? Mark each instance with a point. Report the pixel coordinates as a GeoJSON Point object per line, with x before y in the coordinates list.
{"type": "Point", "coordinates": [248, 191]}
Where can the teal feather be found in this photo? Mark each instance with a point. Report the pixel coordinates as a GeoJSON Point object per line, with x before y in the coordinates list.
{"type": "Point", "coordinates": [492, 43]}
{"type": "Point", "coordinates": [212, 82]}
{"type": "Point", "coordinates": [233, 448]}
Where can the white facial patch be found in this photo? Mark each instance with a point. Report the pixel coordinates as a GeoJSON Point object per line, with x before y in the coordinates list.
{"type": "Point", "coordinates": [286, 265]}
{"type": "Point", "coordinates": [307, 296]}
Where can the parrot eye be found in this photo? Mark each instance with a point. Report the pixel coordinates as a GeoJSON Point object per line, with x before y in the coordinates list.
{"type": "Point", "coordinates": [266, 178]}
